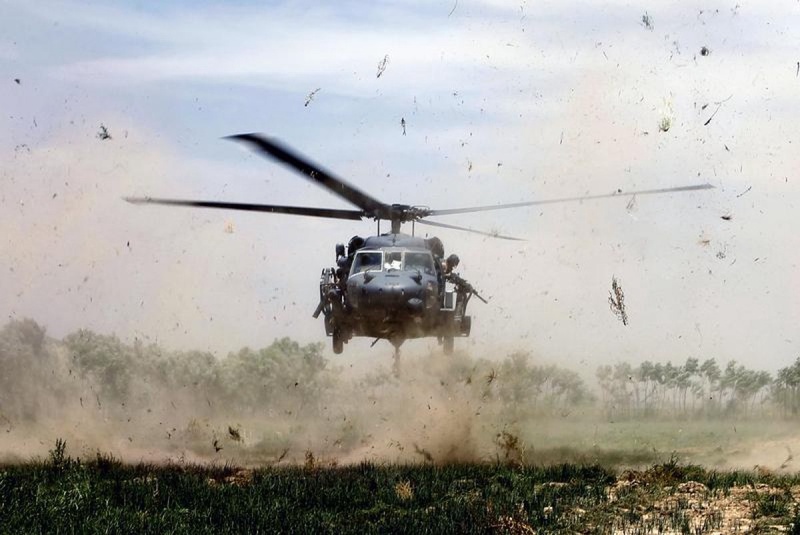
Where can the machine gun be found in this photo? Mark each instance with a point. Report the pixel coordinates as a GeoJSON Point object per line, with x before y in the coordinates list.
{"type": "Point", "coordinates": [463, 287]}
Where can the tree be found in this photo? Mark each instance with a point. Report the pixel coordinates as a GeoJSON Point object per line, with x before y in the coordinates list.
{"type": "Point", "coordinates": [711, 375]}
{"type": "Point", "coordinates": [105, 360]}
{"type": "Point", "coordinates": [24, 363]}
{"type": "Point", "coordinates": [786, 389]}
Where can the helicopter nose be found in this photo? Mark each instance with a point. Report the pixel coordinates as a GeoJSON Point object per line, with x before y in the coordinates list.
{"type": "Point", "coordinates": [393, 294]}
{"type": "Point", "coordinates": [390, 293]}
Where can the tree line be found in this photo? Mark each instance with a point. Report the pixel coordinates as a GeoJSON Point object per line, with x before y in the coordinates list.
{"type": "Point", "coordinates": [697, 388]}
{"type": "Point", "coordinates": [40, 376]}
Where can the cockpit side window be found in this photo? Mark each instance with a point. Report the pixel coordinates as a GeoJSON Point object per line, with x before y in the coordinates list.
{"type": "Point", "coordinates": [367, 261]}
{"type": "Point", "coordinates": [422, 262]}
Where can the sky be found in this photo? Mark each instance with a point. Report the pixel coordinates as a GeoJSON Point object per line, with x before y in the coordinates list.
{"type": "Point", "coordinates": [502, 102]}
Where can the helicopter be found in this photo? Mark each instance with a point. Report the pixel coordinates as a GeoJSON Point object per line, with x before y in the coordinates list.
{"type": "Point", "coordinates": [390, 286]}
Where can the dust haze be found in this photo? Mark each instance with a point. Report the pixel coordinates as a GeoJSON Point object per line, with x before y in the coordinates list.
{"type": "Point", "coordinates": [139, 313]}
{"type": "Point", "coordinates": [287, 404]}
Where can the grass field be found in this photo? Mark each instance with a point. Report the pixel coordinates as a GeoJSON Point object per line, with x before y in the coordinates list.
{"type": "Point", "coordinates": [63, 495]}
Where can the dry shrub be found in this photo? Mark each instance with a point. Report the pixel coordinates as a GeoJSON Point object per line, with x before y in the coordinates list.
{"type": "Point", "coordinates": [404, 491]}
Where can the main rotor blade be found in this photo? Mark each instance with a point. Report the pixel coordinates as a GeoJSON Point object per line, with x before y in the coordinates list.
{"type": "Point", "coordinates": [355, 215]}
{"type": "Point", "coordinates": [301, 164]}
{"type": "Point", "coordinates": [465, 229]}
{"type": "Point", "coordinates": [569, 199]}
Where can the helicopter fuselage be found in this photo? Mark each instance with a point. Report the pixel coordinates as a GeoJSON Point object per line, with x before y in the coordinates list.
{"type": "Point", "coordinates": [392, 287]}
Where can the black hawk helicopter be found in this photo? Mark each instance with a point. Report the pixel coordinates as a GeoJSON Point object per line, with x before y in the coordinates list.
{"type": "Point", "coordinates": [390, 286]}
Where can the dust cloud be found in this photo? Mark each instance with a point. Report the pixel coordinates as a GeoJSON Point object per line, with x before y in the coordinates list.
{"type": "Point", "coordinates": [284, 403]}
{"type": "Point", "coordinates": [287, 404]}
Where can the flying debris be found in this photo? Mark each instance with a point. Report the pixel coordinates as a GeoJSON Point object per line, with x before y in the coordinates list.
{"type": "Point", "coordinates": [616, 301]}
{"type": "Point", "coordinates": [102, 133]}
{"type": "Point", "coordinates": [310, 96]}
{"type": "Point", "coordinates": [382, 64]}
{"type": "Point", "coordinates": [647, 21]}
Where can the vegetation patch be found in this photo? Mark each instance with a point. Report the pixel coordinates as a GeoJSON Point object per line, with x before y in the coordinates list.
{"type": "Point", "coordinates": [61, 494]}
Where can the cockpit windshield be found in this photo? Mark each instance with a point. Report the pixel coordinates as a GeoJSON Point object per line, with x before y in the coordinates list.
{"type": "Point", "coordinates": [422, 262]}
{"type": "Point", "coordinates": [367, 261]}
{"type": "Point", "coordinates": [393, 260]}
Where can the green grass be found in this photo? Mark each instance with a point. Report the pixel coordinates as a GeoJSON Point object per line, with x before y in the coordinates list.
{"type": "Point", "coordinates": [62, 495]}
{"type": "Point", "coordinates": [104, 495]}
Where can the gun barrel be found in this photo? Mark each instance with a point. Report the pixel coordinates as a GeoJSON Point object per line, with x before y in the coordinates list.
{"type": "Point", "coordinates": [461, 284]}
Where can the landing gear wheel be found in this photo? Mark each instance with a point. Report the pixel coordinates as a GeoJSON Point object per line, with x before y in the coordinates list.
{"type": "Point", "coordinates": [337, 342]}
{"type": "Point", "coordinates": [448, 345]}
